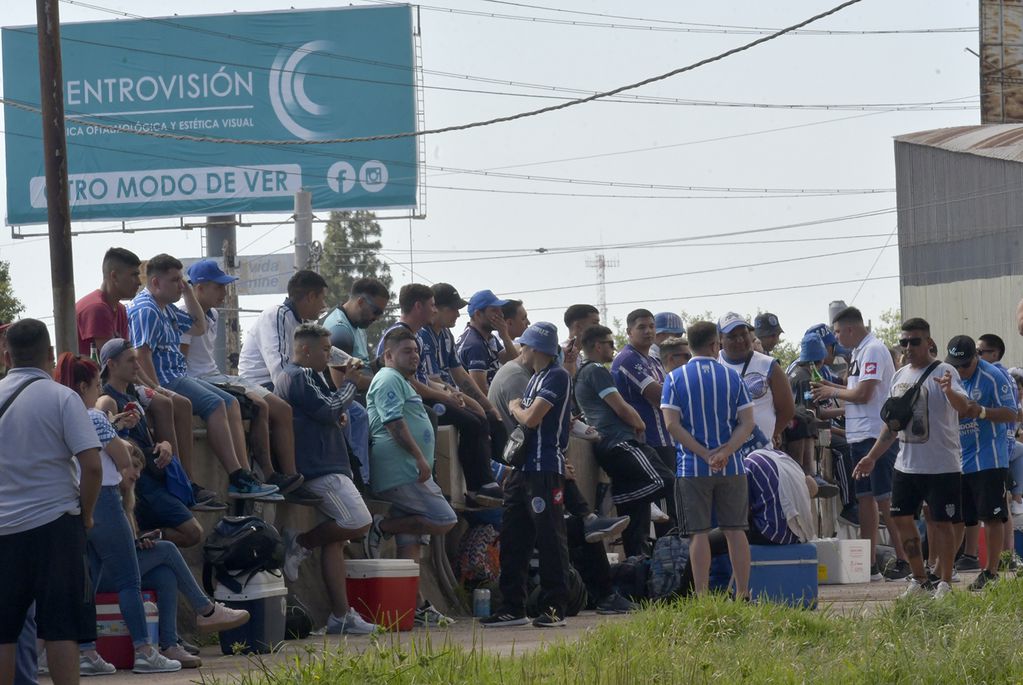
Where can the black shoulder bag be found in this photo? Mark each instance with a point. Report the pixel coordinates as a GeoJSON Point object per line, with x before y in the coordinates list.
{"type": "Point", "coordinates": [897, 412]}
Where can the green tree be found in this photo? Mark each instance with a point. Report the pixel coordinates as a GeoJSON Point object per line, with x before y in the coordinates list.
{"type": "Point", "coordinates": [891, 324]}
{"type": "Point", "coordinates": [351, 250]}
{"type": "Point", "coordinates": [10, 306]}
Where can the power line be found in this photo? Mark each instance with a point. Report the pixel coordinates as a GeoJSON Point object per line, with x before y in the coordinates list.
{"type": "Point", "coordinates": [506, 118]}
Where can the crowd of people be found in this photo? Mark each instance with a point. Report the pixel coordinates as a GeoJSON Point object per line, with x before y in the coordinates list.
{"type": "Point", "coordinates": [700, 430]}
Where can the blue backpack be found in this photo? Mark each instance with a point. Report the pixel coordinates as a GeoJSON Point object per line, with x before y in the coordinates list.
{"type": "Point", "coordinates": [667, 565]}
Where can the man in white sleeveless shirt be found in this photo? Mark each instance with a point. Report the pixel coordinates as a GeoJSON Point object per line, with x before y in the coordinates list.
{"type": "Point", "coordinates": [765, 380]}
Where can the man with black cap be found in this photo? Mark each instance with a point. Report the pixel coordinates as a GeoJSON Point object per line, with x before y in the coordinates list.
{"type": "Point", "coordinates": [767, 330]}
{"type": "Point", "coordinates": [985, 451]}
{"type": "Point", "coordinates": [928, 467]}
{"type": "Point", "coordinates": [666, 325]}
{"type": "Point", "coordinates": [479, 350]}
{"type": "Point", "coordinates": [534, 514]}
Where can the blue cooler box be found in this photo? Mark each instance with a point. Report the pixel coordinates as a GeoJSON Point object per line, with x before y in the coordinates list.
{"type": "Point", "coordinates": [779, 573]}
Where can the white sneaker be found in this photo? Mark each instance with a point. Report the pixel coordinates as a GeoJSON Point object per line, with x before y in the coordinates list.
{"type": "Point", "coordinates": [942, 589]}
{"type": "Point", "coordinates": [1016, 508]}
{"type": "Point", "coordinates": [656, 515]}
{"type": "Point", "coordinates": [154, 662]}
{"type": "Point", "coordinates": [294, 554]}
{"type": "Point", "coordinates": [351, 624]}
{"type": "Point", "coordinates": [88, 666]}
{"type": "Point", "coordinates": [915, 587]}
{"type": "Point", "coordinates": [428, 616]}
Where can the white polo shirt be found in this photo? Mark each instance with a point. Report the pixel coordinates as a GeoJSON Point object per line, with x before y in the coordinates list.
{"type": "Point", "coordinates": [40, 433]}
{"type": "Point", "coordinates": [871, 361]}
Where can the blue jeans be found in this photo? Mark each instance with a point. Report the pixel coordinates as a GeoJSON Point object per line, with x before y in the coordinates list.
{"type": "Point", "coordinates": [164, 570]}
{"type": "Point", "coordinates": [26, 661]}
{"type": "Point", "coordinates": [205, 398]}
{"type": "Point", "coordinates": [113, 563]}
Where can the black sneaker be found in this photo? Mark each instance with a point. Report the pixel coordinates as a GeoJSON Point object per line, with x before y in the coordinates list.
{"type": "Point", "coordinates": [285, 482]}
{"type": "Point", "coordinates": [490, 496]}
{"type": "Point", "coordinates": [850, 515]}
{"type": "Point", "coordinates": [245, 485]}
{"type": "Point", "coordinates": [615, 604]}
{"type": "Point", "coordinates": [304, 496]}
{"type": "Point", "coordinates": [548, 621]}
{"type": "Point", "coordinates": [597, 528]}
{"type": "Point", "coordinates": [505, 619]}
{"type": "Point", "coordinates": [205, 500]}
{"type": "Point", "coordinates": [984, 579]}
{"type": "Point", "coordinates": [967, 562]}
{"type": "Point", "coordinates": [897, 570]}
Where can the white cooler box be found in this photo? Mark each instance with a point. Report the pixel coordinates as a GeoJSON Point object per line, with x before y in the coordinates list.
{"type": "Point", "coordinates": [842, 562]}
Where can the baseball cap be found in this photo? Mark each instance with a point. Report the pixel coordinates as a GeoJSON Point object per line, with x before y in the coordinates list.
{"type": "Point", "coordinates": [811, 348]}
{"type": "Point", "coordinates": [669, 322]}
{"type": "Point", "coordinates": [482, 300]}
{"type": "Point", "coordinates": [445, 295]}
{"type": "Point", "coordinates": [825, 333]}
{"type": "Point", "coordinates": [206, 270]}
{"type": "Point", "coordinates": [961, 350]}
{"type": "Point", "coordinates": [766, 324]}
{"type": "Point", "coordinates": [730, 321]}
{"type": "Point", "coordinates": [112, 349]}
{"type": "Point", "coordinates": [542, 336]}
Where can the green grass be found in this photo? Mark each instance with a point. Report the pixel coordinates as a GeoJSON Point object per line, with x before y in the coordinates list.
{"type": "Point", "coordinates": [964, 638]}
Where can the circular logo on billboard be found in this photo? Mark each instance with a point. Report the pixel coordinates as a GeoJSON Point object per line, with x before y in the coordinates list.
{"type": "Point", "coordinates": [297, 112]}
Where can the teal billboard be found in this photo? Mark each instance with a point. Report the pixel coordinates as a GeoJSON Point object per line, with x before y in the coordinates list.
{"type": "Point", "coordinates": [317, 75]}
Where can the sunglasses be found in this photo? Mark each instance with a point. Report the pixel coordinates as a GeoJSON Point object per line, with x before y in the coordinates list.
{"type": "Point", "coordinates": [377, 311]}
{"type": "Point", "coordinates": [984, 351]}
{"type": "Point", "coordinates": [907, 342]}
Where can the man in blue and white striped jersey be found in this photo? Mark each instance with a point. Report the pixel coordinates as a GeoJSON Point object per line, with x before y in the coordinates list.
{"type": "Point", "coordinates": [710, 414]}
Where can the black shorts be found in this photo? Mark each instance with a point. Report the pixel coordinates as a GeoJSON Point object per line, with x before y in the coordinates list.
{"type": "Point", "coordinates": [941, 491]}
{"type": "Point", "coordinates": [47, 565]}
{"type": "Point", "coordinates": [984, 496]}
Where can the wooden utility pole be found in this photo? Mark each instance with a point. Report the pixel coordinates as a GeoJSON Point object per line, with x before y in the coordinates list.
{"type": "Point", "coordinates": [58, 210]}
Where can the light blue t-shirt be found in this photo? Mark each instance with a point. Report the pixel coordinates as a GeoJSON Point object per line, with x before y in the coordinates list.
{"type": "Point", "coordinates": [337, 319]}
{"type": "Point", "coordinates": [983, 442]}
{"type": "Point", "coordinates": [391, 398]}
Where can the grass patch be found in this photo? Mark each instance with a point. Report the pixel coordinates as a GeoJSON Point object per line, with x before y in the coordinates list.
{"type": "Point", "coordinates": [963, 638]}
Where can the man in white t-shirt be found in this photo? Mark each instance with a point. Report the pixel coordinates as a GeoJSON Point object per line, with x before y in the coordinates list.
{"type": "Point", "coordinates": [928, 468]}
{"type": "Point", "coordinates": [870, 375]}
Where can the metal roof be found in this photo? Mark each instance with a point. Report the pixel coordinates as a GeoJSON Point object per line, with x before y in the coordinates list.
{"type": "Point", "coordinates": [1000, 141]}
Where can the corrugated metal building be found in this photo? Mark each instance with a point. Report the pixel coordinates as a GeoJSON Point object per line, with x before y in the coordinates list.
{"type": "Point", "coordinates": [960, 215]}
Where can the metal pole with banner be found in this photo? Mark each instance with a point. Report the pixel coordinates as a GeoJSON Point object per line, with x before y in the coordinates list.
{"type": "Point", "coordinates": [267, 79]}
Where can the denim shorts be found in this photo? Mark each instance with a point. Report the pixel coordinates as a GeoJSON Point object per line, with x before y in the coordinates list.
{"type": "Point", "coordinates": [879, 484]}
{"type": "Point", "coordinates": [205, 398]}
{"type": "Point", "coordinates": [156, 507]}
{"type": "Point", "coordinates": [418, 499]}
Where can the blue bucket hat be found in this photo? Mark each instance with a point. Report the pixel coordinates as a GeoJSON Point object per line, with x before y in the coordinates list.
{"type": "Point", "coordinates": [824, 332]}
{"type": "Point", "coordinates": [812, 349]}
{"type": "Point", "coordinates": [542, 336]}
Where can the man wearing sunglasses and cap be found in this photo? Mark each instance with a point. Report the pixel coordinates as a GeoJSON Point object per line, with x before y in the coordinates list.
{"type": "Point", "coordinates": [982, 436]}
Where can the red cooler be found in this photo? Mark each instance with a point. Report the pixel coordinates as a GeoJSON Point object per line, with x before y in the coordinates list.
{"type": "Point", "coordinates": [113, 642]}
{"type": "Point", "coordinates": [384, 591]}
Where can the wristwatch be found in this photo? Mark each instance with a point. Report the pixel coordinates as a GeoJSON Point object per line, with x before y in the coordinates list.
{"type": "Point", "coordinates": [983, 413]}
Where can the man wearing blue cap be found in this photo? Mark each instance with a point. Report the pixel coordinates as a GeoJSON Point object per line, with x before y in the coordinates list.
{"type": "Point", "coordinates": [666, 325]}
{"type": "Point", "coordinates": [480, 352]}
{"type": "Point", "coordinates": [801, 434]}
{"type": "Point", "coordinates": [272, 420]}
{"type": "Point", "coordinates": [534, 514]}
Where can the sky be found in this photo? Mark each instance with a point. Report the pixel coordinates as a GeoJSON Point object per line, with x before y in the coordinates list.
{"type": "Point", "coordinates": [483, 238]}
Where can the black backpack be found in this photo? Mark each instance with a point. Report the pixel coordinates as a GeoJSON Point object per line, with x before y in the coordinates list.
{"type": "Point", "coordinates": [897, 412]}
{"type": "Point", "coordinates": [631, 578]}
{"type": "Point", "coordinates": [240, 546]}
